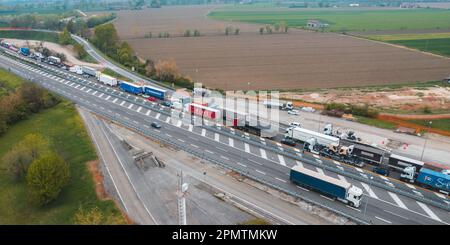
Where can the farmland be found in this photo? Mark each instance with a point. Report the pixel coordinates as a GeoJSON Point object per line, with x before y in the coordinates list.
{"type": "Point", "coordinates": [297, 60]}
{"type": "Point", "coordinates": [345, 20]}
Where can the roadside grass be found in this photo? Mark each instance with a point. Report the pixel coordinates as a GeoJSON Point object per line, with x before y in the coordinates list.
{"type": "Point", "coordinates": [415, 36]}
{"type": "Point", "coordinates": [257, 221]}
{"type": "Point", "coordinates": [110, 72]}
{"type": "Point", "coordinates": [439, 46]}
{"type": "Point", "coordinates": [344, 20]}
{"type": "Point", "coordinates": [8, 82]}
{"type": "Point", "coordinates": [64, 128]}
{"type": "Point", "coordinates": [443, 124]}
{"type": "Point", "coordinates": [30, 35]}
{"type": "Point", "coordinates": [89, 59]}
{"type": "Point", "coordinates": [376, 122]}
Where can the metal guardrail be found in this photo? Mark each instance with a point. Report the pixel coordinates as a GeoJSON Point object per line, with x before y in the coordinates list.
{"type": "Point", "coordinates": [284, 152]}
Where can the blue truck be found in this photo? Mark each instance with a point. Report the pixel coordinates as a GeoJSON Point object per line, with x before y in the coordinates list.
{"type": "Point", "coordinates": [336, 188]}
{"type": "Point", "coordinates": [130, 87]}
{"type": "Point", "coordinates": [434, 179]}
{"type": "Point", "coordinates": [25, 51]}
{"type": "Point", "coordinates": [155, 92]}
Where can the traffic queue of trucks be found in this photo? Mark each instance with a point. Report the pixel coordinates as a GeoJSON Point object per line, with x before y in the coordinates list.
{"type": "Point", "coordinates": [356, 153]}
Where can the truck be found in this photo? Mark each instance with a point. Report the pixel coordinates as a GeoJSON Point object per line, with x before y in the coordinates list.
{"type": "Point", "coordinates": [303, 135]}
{"type": "Point", "coordinates": [335, 188]}
{"type": "Point", "coordinates": [52, 60]}
{"type": "Point", "coordinates": [284, 105]}
{"type": "Point", "coordinates": [25, 51]}
{"type": "Point", "coordinates": [434, 180]}
{"type": "Point", "coordinates": [204, 112]}
{"type": "Point", "coordinates": [155, 92]}
{"type": "Point", "coordinates": [131, 88]}
{"type": "Point", "coordinates": [107, 80]}
{"type": "Point", "coordinates": [89, 71]}
{"type": "Point", "coordinates": [369, 154]}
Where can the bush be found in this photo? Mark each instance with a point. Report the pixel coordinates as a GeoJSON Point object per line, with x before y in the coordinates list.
{"type": "Point", "coordinates": [46, 177]}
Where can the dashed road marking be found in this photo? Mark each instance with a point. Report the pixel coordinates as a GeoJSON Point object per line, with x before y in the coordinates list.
{"type": "Point", "coordinates": [139, 109]}
{"type": "Point", "coordinates": [327, 198]}
{"type": "Point", "coordinates": [190, 127]}
{"type": "Point", "coordinates": [316, 156]}
{"type": "Point", "coordinates": [243, 165]}
{"type": "Point", "coordinates": [302, 188]}
{"type": "Point", "coordinates": [231, 142]}
{"type": "Point", "coordinates": [281, 160]}
{"type": "Point", "coordinates": [428, 211]}
{"type": "Point", "coordinates": [263, 153]}
{"type": "Point", "coordinates": [397, 200]}
{"type": "Point", "coordinates": [179, 123]}
{"type": "Point", "coordinates": [226, 158]}
{"type": "Point", "coordinates": [247, 148]}
{"type": "Point", "coordinates": [167, 119]}
{"type": "Point", "coordinates": [384, 220]}
{"type": "Point", "coordinates": [216, 137]}
{"type": "Point", "coordinates": [369, 190]}
{"type": "Point", "coordinates": [342, 178]}
{"type": "Point", "coordinates": [282, 180]}
{"type": "Point", "coordinates": [261, 172]}
{"type": "Point", "coordinates": [158, 115]}
{"type": "Point", "coordinates": [203, 132]}
{"type": "Point", "coordinates": [210, 152]}
{"type": "Point", "coordinates": [410, 186]}
{"type": "Point", "coordinates": [131, 105]}
{"type": "Point", "coordinates": [123, 102]}
{"type": "Point", "coordinates": [148, 113]}
{"type": "Point", "coordinates": [336, 162]}
{"type": "Point", "coordinates": [299, 163]}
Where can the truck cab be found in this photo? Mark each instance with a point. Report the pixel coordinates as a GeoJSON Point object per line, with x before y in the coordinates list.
{"type": "Point", "coordinates": [354, 195]}
{"type": "Point", "coordinates": [408, 174]}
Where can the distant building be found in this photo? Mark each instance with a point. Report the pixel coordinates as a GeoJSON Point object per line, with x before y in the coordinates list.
{"type": "Point", "coordinates": [354, 5]}
{"type": "Point", "coordinates": [315, 24]}
{"type": "Point", "coordinates": [409, 5]}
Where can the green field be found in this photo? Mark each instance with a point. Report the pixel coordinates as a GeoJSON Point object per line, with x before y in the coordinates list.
{"type": "Point", "coordinates": [345, 20]}
{"type": "Point", "coordinates": [443, 124]}
{"type": "Point", "coordinates": [376, 122]}
{"type": "Point", "coordinates": [64, 128]}
{"type": "Point", "coordinates": [30, 35]}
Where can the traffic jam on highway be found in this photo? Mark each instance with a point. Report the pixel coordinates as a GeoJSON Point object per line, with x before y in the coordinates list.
{"type": "Point", "coordinates": [316, 161]}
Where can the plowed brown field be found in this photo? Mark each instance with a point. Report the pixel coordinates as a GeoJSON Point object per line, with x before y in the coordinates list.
{"type": "Point", "coordinates": [300, 59]}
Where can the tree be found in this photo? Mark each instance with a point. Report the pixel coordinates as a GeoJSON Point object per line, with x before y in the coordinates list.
{"type": "Point", "coordinates": [268, 29]}
{"type": "Point", "coordinates": [80, 51]}
{"type": "Point", "coordinates": [106, 38]}
{"type": "Point", "coordinates": [196, 33]}
{"type": "Point", "coordinates": [91, 217]}
{"type": "Point", "coordinates": [166, 70]}
{"type": "Point", "coordinates": [19, 158]}
{"type": "Point", "coordinates": [46, 177]}
{"type": "Point", "coordinates": [187, 33]}
{"type": "Point", "coordinates": [276, 26]}
{"type": "Point", "coordinates": [236, 31]}
{"type": "Point", "coordinates": [261, 30]}
{"type": "Point", "coordinates": [65, 38]}
{"type": "Point", "coordinates": [283, 26]}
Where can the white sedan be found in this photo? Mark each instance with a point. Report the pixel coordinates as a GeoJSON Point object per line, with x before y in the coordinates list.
{"type": "Point", "coordinates": [293, 112]}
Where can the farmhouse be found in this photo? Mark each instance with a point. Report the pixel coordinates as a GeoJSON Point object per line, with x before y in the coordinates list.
{"type": "Point", "coordinates": [315, 24]}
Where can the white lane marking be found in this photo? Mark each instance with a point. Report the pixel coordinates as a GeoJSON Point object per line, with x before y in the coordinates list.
{"type": "Point", "coordinates": [261, 172]}
{"type": "Point", "coordinates": [77, 86]}
{"type": "Point", "coordinates": [181, 140]}
{"type": "Point", "coordinates": [210, 152]}
{"type": "Point", "coordinates": [340, 167]}
{"type": "Point", "coordinates": [148, 113]}
{"type": "Point", "coordinates": [440, 195]}
{"type": "Point", "coordinates": [353, 208]}
{"type": "Point", "coordinates": [247, 148]}
{"type": "Point", "coordinates": [203, 132]}
{"type": "Point", "coordinates": [278, 144]}
{"type": "Point", "coordinates": [158, 115]}
{"type": "Point", "coordinates": [387, 221]}
{"type": "Point", "coordinates": [387, 211]}
{"type": "Point", "coordinates": [190, 127]}
{"type": "Point", "coordinates": [418, 193]}
{"type": "Point", "coordinates": [342, 178]}
{"type": "Point", "coordinates": [281, 159]}
{"type": "Point", "coordinates": [381, 176]}
{"type": "Point", "coordinates": [282, 180]}
{"type": "Point", "coordinates": [92, 93]}
{"type": "Point", "coordinates": [389, 184]}
{"type": "Point", "coordinates": [89, 90]}
{"type": "Point", "coordinates": [299, 163]}
{"type": "Point", "coordinates": [243, 165]}
{"type": "Point", "coordinates": [123, 102]}
{"type": "Point", "coordinates": [302, 188]}
{"type": "Point", "coordinates": [101, 95]}
{"type": "Point", "coordinates": [131, 105]}
{"type": "Point", "coordinates": [179, 123]}
{"type": "Point", "coordinates": [319, 170]}
{"type": "Point", "coordinates": [316, 156]}
{"type": "Point", "coordinates": [336, 162]}
{"type": "Point", "coordinates": [410, 186]}
{"type": "Point", "coordinates": [169, 135]}
{"type": "Point", "coordinates": [359, 170]}
{"type": "Point", "coordinates": [428, 211]}
{"type": "Point", "coordinates": [369, 190]}
{"type": "Point", "coordinates": [263, 153]}
{"type": "Point", "coordinates": [327, 198]}
{"type": "Point", "coordinates": [216, 137]}
{"type": "Point", "coordinates": [231, 142]}
{"type": "Point", "coordinates": [167, 119]}
{"type": "Point", "coordinates": [397, 200]}
{"type": "Point", "coordinates": [226, 158]}
{"type": "Point", "coordinates": [139, 109]}
{"type": "Point", "coordinates": [297, 150]}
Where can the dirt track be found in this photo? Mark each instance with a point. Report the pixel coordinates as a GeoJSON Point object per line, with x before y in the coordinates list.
{"type": "Point", "coordinates": [300, 59]}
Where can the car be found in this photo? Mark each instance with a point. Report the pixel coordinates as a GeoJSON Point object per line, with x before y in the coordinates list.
{"type": "Point", "coordinates": [156, 125]}
{"type": "Point", "coordinates": [308, 109]}
{"type": "Point", "coordinates": [293, 112]}
{"type": "Point", "coordinates": [294, 124]}
{"type": "Point", "coordinates": [145, 96]}
{"type": "Point", "coordinates": [288, 141]}
{"type": "Point", "coordinates": [381, 171]}
{"type": "Point", "coordinates": [152, 99]}
{"type": "Point", "coordinates": [166, 103]}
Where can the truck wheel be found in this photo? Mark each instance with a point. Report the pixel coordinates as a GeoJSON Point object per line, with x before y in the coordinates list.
{"type": "Point", "coordinates": [351, 204]}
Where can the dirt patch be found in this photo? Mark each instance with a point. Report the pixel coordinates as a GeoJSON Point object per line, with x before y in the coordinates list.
{"type": "Point", "coordinates": [68, 51]}
{"type": "Point", "coordinates": [97, 175]}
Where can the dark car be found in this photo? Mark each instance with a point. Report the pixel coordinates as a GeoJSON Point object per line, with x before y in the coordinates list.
{"type": "Point", "coordinates": [287, 141]}
{"type": "Point", "coordinates": [156, 125]}
{"type": "Point", "coordinates": [166, 103]}
{"type": "Point", "coordinates": [381, 171]}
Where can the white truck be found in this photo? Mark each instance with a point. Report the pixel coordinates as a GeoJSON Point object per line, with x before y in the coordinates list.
{"type": "Point", "coordinates": [54, 60]}
{"type": "Point", "coordinates": [284, 105]}
{"type": "Point", "coordinates": [303, 135]}
{"type": "Point", "coordinates": [107, 80]}
{"type": "Point", "coordinates": [89, 71]}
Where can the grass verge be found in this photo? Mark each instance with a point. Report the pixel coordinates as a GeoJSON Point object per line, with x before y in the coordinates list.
{"type": "Point", "coordinates": [376, 122]}
{"type": "Point", "coordinates": [442, 124]}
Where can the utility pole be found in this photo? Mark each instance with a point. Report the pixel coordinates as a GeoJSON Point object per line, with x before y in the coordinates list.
{"type": "Point", "coordinates": [181, 192]}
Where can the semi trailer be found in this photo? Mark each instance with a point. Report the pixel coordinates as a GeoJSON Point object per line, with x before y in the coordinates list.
{"type": "Point", "coordinates": [336, 188]}
{"type": "Point", "coordinates": [155, 92]}
{"type": "Point", "coordinates": [131, 87]}
{"type": "Point", "coordinates": [284, 105]}
{"type": "Point", "coordinates": [107, 80]}
{"type": "Point", "coordinates": [89, 71]}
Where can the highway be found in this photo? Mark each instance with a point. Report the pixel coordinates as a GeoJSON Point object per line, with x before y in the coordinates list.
{"type": "Point", "coordinates": [379, 206]}
{"type": "Point", "coordinates": [105, 62]}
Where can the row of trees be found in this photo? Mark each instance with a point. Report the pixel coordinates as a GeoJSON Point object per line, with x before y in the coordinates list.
{"type": "Point", "coordinates": [229, 30]}
{"type": "Point", "coordinates": [279, 27]}
{"type": "Point", "coordinates": [25, 100]}
{"type": "Point", "coordinates": [45, 172]}
{"type": "Point", "coordinates": [106, 39]}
